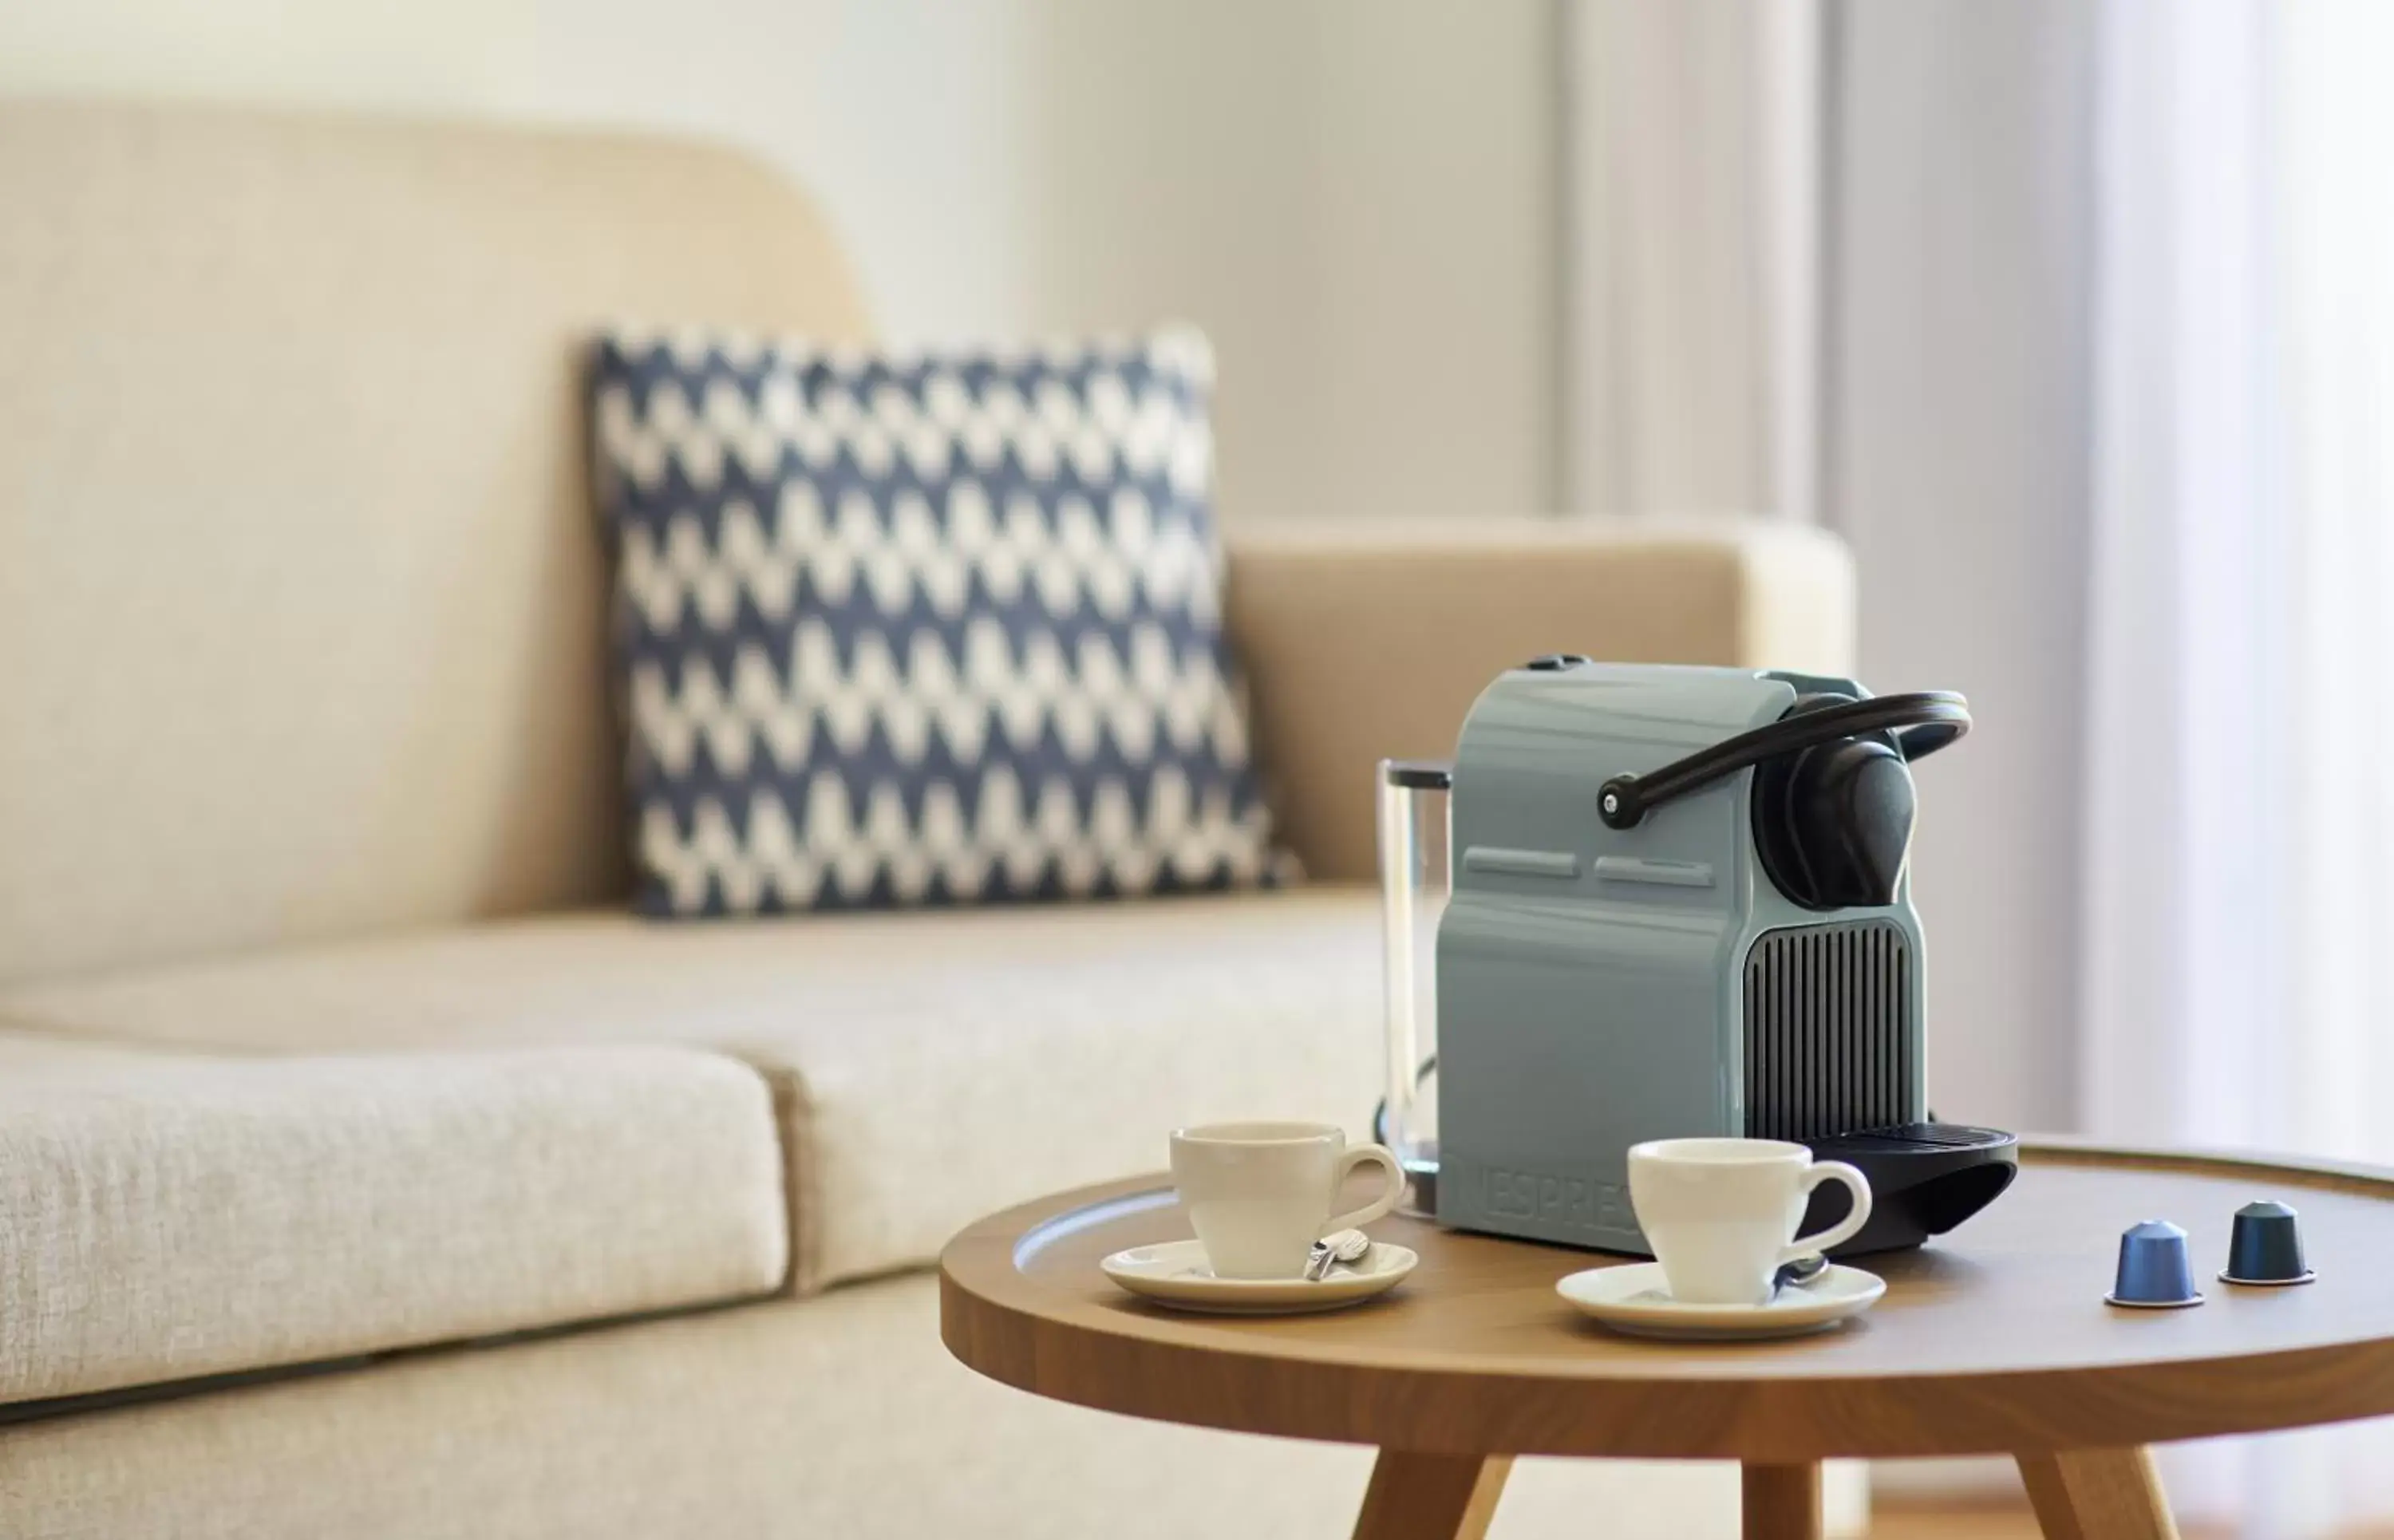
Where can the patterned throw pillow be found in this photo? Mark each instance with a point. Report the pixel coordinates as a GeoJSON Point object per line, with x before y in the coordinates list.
{"type": "Point", "coordinates": [913, 629]}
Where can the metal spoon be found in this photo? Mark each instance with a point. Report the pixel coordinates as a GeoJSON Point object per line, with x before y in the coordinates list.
{"type": "Point", "coordinates": [1339, 1246]}
{"type": "Point", "coordinates": [1799, 1273]}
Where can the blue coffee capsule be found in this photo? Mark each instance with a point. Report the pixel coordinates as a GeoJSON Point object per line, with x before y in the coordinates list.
{"type": "Point", "coordinates": [2155, 1274]}
{"type": "Point", "coordinates": [2264, 1247]}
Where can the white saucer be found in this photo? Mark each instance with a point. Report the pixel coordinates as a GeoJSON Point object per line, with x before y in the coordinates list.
{"type": "Point", "coordinates": [1176, 1274]}
{"type": "Point", "coordinates": [1634, 1299]}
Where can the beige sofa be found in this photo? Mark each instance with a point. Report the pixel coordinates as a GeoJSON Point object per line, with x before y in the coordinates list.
{"type": "Point", "coordinates": [364, 1169]}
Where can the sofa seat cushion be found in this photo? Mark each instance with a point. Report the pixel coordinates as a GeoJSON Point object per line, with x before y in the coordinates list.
{"type": "Point", "coordinates": [165, 1216]}
{"type": "Point", "coordinates": [929, 1066]}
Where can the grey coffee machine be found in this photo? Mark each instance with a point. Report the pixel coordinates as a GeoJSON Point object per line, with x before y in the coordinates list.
{"type": "Point", "coordinates": [1678, 905]}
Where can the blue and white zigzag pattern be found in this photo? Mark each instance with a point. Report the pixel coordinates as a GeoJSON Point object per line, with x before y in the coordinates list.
{"type": "Point", "coordinates": [907, 629]}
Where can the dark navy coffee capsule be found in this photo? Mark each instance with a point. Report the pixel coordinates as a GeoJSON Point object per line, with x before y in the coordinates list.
{"type": "Point", "coordinates": [2264, 1247]}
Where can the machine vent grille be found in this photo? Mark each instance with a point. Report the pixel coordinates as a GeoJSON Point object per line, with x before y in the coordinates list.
{"type": "Point", "coordinates": [1828, 1046]}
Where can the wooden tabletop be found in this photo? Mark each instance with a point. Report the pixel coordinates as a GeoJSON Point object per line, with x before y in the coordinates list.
{"type": "Point", "coordinates": [1992, 1339]}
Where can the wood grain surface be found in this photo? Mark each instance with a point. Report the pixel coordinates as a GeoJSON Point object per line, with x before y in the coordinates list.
{"type": "Point", "coordinates": [1431, 1496]}
{"type": "Point", "coordinates": [1780, 1502]}
{"type": "Point", "coordinates": [2097, 1494]}
{"type": "Point", "coordinates": [1992, 1340]}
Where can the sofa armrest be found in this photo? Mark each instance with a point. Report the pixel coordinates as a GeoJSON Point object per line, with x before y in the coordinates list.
{"type": "Point", "coordinates": [1368, 641]}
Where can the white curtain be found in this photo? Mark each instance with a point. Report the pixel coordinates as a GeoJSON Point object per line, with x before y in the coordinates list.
{"type": "Point", "coordinates": [2239, 961]}
{"type": "Point", "coordinates": [2225, 231]}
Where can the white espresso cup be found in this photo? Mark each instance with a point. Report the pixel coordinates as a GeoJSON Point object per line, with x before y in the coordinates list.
{"type": "Point", "coordinates": [1721, 1213]}
{"type": "Point", "coordinates": [1259, 1193]}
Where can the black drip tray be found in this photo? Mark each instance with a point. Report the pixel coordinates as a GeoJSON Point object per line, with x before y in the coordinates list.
{"type": "Point", "coordinates": [1925, 1178]}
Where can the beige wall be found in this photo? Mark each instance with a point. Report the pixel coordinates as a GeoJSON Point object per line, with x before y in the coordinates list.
{"type": "Point", "coordinates": [1355, 198]}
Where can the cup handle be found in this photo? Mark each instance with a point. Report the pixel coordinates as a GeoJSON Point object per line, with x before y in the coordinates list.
{"type": "Point", "coordinates": [1840, 1233]}
{"type": "Point", "coordinates": [1381, 1155]}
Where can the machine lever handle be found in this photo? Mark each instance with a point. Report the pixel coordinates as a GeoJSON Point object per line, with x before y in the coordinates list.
{"type": "Point", "coordinates": [1923, 722]}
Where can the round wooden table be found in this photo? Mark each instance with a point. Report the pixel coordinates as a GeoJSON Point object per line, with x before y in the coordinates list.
{"type": "Point", "coordinates": [1993, 1340]}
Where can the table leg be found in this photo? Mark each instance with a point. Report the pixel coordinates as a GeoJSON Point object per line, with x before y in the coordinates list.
{"type": "Point", "coordinates": [1782, 1502]}
{"type": "Point", "coordinates": [2097, 1494]}
{"type": "Point", "coordinates": [1431, 1496]}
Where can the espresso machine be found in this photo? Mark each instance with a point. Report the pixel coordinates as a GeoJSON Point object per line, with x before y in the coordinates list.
{"type": "Point", "coordinates": [1649, 902]}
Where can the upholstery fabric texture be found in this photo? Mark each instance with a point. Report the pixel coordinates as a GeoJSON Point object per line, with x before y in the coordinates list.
{"type": "Point", "coordinates": [838, 1416]}
{"type": "Point", "coordinates": [930, 1066]}
{"type": "Point", "coordinates": [906, 628]}
{"type": "Point", "coordinates": [163, 1216]}
{"type": "Point", "coordinates": [295, 512]}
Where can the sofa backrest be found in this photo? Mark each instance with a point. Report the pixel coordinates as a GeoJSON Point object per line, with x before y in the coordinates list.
{"type": "Point", "coordinates": [300, 595]}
